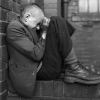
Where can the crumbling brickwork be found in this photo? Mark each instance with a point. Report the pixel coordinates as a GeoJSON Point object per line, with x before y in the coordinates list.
{"type": "Point", "coordinates": [8, 10]}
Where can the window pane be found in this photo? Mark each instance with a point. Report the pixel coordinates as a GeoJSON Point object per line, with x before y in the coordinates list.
{"type": "Point", "coordinates": [93, 6]}
{"type": "Point", "coordinates": [83, 5]}
{"type": "Point", "coordinates": [99, 5]}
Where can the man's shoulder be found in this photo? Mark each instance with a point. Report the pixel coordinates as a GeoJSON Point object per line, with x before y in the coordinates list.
{"type": "Point", "coordinates": [57, 18]}
{"type": "Point", "coordinates": [15, 24]}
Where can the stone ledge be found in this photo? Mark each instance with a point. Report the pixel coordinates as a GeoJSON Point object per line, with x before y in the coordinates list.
{"type": "Point", "coordinates": [48, 98]}
{"type": "Point", "coordinates": [59, 90]}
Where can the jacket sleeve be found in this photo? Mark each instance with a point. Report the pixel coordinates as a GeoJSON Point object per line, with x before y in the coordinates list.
{"type": "Point", "coordinates": [20, 41]}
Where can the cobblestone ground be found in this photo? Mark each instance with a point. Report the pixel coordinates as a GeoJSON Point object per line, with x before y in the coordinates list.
{"type": "Point", "coordinates": [86, 42]}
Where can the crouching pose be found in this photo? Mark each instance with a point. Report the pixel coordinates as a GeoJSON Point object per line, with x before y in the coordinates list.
{"type": "Point", "coordinates": [49, 50]}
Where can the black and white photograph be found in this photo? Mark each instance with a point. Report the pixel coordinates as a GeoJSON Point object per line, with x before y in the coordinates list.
{"type": "Point", "coordinates": [49, 50]}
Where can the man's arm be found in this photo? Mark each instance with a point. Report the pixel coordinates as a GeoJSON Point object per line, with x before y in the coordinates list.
{"type": "Point", "coordinates": [17, 39]}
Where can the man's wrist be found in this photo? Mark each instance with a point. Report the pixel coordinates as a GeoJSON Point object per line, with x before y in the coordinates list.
{"type": "Point", "coordinates": [44, 35]}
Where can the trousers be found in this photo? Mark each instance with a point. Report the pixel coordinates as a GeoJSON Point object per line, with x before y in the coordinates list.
{"type": "Point", "coordinates": [58, 51]}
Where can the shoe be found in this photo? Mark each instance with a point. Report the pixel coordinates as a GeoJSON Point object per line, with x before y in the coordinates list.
{"type": "Point", "coordinates": [81, 74]}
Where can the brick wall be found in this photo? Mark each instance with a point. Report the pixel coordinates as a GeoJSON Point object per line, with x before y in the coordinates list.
{"type": "Point", "coordinates": [86, 39]}
{"type": "Point", "coordinates": [50, 7]}
{"type": "Point", "coordinates": [86, 43]}
{"type": "Point", "coordinates": [75, 16]}
{"type": "Point", "coordinates": [8, 10]}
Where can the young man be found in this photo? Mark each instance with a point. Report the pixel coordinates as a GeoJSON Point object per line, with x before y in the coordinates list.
{"type": "Point", "coordinates": [27, 49]}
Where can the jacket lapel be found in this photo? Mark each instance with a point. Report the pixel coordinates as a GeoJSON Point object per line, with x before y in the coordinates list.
{"type": "Point", "coordinates": [33, 35]}
{"type": "Point", "coordinates": [30, 32]}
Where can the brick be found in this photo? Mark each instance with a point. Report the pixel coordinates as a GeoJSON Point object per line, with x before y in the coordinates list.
{"type": "Point", "coordinates": [50, 6]}
{"type": "Point", "coordinates": [13, 98]}
{"type": "Point", "coordinates": [37, 91]}
{"type": "Point", "coordinates": [50, 12]}
{"type": "Point", "coordinates": [4, 96]}
{"type": "Point", "coordinates": [98, 91]}
{"type": "Point", "coordinates": [3, 57]}
{"type": "Point", "coordinates": [75, 90]}
{"type": "Point", "coordinates": [3, 75]}
{"type": "Point", "coordinates": [3, 53]}
{"type": "Point", "coordinates": [16, 7]}
{"type": "Point", "coordinates": [50, 1]}
{"type": "Point", "coordinates": [87, 43]}
{"type": "Point", "coordinates": [76, 18]}
{"type": "Point", "coordinates": [3, 27]}
{"type": "Point", "coordinates": [3, 86]}
{"type": "Point", "coordinates": [7, 4]}
{"type": "Point", "coordinates": [95, 99]}
{"type": "Point", "coordinates": [3, 13]}
{"type": "Point", "coordinates": [11, 16]}
{"type": "Point", "coordinates": [47, 88]}
{"type": "Point", "coordinates": [93, 91]}
{"type": "Point", "coordinates": [65, 98]}
{"type": "Point", "coordinates": [10, 4]}
{"type": "Point", "coordinates": [26, 1]}
{"type": "Point", "coordinates": [58, 89]}
{"type": "Point", "coordinates": [3, 64]}
{"type": "Point", "coordinates": [2, 39]}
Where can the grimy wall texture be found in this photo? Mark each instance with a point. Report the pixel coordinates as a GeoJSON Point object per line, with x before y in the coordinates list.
{"type": "Point", "coordinates": [8, 10]}
{"type": "Point", "coordinates": [86, 39]}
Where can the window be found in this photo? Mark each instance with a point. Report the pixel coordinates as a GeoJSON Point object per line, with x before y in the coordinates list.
{"type": "Point", "coordinates": [89, 6]}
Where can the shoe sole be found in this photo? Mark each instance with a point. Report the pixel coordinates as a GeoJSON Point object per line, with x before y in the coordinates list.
{"type": "Point", "coordinates": [77, 80]}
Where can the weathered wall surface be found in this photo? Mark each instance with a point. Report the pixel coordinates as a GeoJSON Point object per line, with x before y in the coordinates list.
{"type": "Point", "coordinates": [50, 7]}
{"type": "Point", "coordinates": [8, 10]}
{"type": "Point", "coordinates": [86, 39]}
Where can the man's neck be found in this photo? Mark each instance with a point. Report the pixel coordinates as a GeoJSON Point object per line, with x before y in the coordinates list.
{"type": "Point", "coordinates": [46, 21]}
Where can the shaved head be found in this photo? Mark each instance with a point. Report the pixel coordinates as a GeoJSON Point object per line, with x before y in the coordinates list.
{"type": "Point", "coordinates": [33, 9]}
{"type": "Point", "coordinates": [32, 14]}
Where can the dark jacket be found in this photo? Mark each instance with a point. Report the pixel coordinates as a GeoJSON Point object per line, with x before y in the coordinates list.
{"type": "Point", "coordinates": [26, 51]}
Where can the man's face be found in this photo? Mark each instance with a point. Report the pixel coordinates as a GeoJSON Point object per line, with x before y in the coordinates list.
{"type": "Point", "coordinates": [32, 21]}
{"type": "Point", "coordinates": [33, 16]}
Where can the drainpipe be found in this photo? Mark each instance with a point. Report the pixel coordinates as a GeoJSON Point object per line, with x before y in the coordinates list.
{"type": "Point", "coordinates": [65, 4]}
